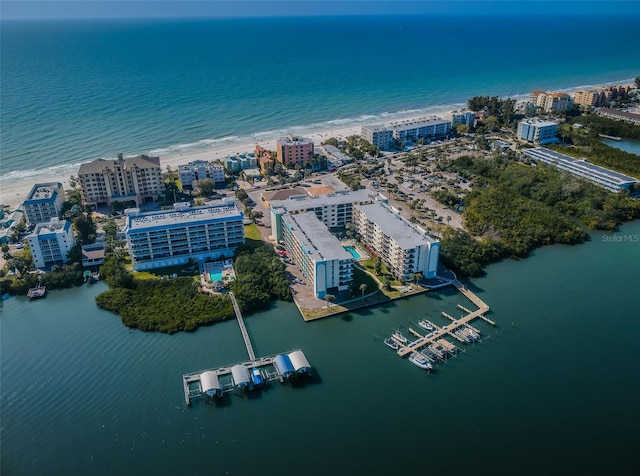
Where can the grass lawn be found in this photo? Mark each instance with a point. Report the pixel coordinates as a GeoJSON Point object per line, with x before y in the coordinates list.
{"type": "Point", "coordinates": [252, 238]}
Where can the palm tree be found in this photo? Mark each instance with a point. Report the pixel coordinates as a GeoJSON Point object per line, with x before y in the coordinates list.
{"type": "Point", "coordinates": [363, 288]}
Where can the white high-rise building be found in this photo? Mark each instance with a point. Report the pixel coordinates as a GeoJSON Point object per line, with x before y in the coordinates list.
{"type": "Point", "coordinates": [44, 202]}
{"type": "Point", "coordinates": [51, 242]}
{"type": "Point", "coordinates": [199, 170]}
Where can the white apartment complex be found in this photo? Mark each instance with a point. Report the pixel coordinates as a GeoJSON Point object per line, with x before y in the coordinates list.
{"type": "Point", "coordinates": [199, 170]}
{"type": "Point", "coordinates": [324, 263]}
{"type": "Point", "coordinates": [457, 118]}
{"type": "Point", "coordinates": [172, 237]}
{"type": "Point", "coordinates": [51, 242]}
{"type": "Point", "coordinates": [406, 131]}
{"type": "Point", "coordinates": [550, 101]}
{"type": "Point", "coordinates": [605, 178]}
{"type": "Point", "coordinates": [136, 179]}
{"type": "Point", "coordinates": [404, 247]}
{"type": "Point", "coordinates": [44, 202]}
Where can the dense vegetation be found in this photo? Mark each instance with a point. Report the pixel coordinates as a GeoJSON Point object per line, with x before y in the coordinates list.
{"type": "Point", "coordinates": [515, 208]}
{"type": "Point", "coordinates": [498, 112]}
{"type": "Point", "coordinates": [260, 278]}
{"type": "Point", "coordinates": [165, 305]}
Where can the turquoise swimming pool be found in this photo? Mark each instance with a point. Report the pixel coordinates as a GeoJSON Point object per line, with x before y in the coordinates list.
{"type": "Point", "coordinates": [215, 276]}
{"type": "Point", "coordinates": [352, 251]}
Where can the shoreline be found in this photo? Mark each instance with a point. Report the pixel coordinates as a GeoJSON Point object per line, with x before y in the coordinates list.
{"type": "Point", "coordinates": [13, 190]}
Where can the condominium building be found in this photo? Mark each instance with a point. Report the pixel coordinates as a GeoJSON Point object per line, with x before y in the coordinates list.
{"type": "Point", "coordinates": [405, 248]}
{"type": "Point", "coordinates": [335, 210]}
{"type": "Point", "coordinates": [294, 150]}
{"type": "Point", "coordinates": [324, 263]}
{"type": "Point", "coordinates": [586, 98]}
{"type": "Point", "coordinates": [377, 135]}
{"type": "Point", "coordinates": [171, 237]}
{"type": "Point", "coordinates": [631, 117]}
{"type": "Point", "coordinates": [550, 101]}
{"type": "Point", "coordinates": [240, 162]}
{"type": "Point", "coordinates": [44, 202]}
{"type": "Point", "coordinates": [536, 130]}
{"type": "Point", "coordinates": [50, 242]}
{"type": "Point", "coordinates": [199, 170]}
{"type": "Point", "coordinates": [137, 179]}
{"type": "Point", "coordinates": [605, 178]}
{"type": "Point", "coordinates": [461, 117]}
{"type": "Point", "coordinates": [411, 131]}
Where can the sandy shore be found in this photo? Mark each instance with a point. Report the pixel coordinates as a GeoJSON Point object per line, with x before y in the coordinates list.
{"type": "Point", "coordinates": [13, 194]}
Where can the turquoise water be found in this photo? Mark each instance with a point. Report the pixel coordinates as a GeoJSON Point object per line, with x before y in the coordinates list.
{"type": "Point", "coordinates": [352, 251]}
{"type": "Point", "coordinates": [553, 389]}
{"type": "Point", "coordinates": [215, 276]}
{"type": "Point", "coordinates": [75, 91]}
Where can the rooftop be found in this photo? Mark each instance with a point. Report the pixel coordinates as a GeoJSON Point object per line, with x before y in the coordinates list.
{"type": "Point", "coordinates": [416, 123]}
{"type": "Point", "coordinates": [315, 237]}
{"type": "Point", "coordinates": [44, 192]}
{"type": "Point", "coordinates": [306, 202]}
{"type": "Point", "coordinates": [580, 164]}
{"type": "Point", "coordinates": [538, 122]}
{"type": "Point", "coordinates": [294, 140]}
{"type": "Point", "coordinates": [395, 226]}
{"type": "Point", "coordinates": [140, 161]}
{"type": "Point", "coordinates": [178, 218]}
{"type": "Point", "coordinates": [53, 226]}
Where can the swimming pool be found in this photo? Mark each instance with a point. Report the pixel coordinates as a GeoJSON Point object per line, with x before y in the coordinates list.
{"type": "Point", "coordinates": [215, 276]}
{"type": "Point", "coordinates": [352, 251]}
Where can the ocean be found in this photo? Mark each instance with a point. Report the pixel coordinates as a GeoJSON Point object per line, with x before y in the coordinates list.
{"type": "Point", "coordinates": [76, 91]}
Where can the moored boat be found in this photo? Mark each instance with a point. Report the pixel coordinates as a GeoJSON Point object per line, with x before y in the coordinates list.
{"type": "Point", "coordinates": [420, 360]}
{"type": "Point", "coordinates": [426, 325]}
{"type": "Point", "coordinates": [398, 335]}
{"type": "Point", "coordinates": [391, 343]}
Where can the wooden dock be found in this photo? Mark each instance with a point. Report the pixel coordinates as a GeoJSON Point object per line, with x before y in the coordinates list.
{"type": "Point", "coordinates": [439, 332]}
{"type": "Point", "coordinates": [243, 328]}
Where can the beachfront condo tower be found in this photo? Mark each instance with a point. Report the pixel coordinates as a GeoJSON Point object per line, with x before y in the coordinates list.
{"type": "Point", "coordinates": [172, 237]}
{"type": "Point", "coordinates": [294, 150]}
{"type": "Point", "coordinates": [134, 179]}
{"type": "Point", "coordinates": [200, 170]}
{"type": "Point", "coordinates": [44, 202]}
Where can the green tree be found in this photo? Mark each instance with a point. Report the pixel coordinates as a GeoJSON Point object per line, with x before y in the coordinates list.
{"type": "Point", "coordinates": [377, 265]}
{"type": "Point", "coordinates": [205, 187]}
{"type": "Point", "coordinates": [363, 288]}
{"type": "Point", "coordinates": [462, 129]}
{"type": "Point", "coordinates": [86, 228]}
{"type": "Point", "coordinates": [330, 298]}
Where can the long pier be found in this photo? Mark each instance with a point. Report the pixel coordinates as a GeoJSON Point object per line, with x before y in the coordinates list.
{"type": "Point", "coordinates": [449, 329]}
{"type": "Point", "coordinates": [243, 328]}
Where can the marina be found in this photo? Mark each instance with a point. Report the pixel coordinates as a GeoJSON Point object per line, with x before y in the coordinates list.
{"type": "Point", "coordinates": [250, 375]}
{"type": "Point", "coordinates": [433, 347]}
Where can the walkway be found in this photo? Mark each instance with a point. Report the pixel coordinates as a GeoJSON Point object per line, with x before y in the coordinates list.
{"type": "Point", "coordinates": [243, 329]}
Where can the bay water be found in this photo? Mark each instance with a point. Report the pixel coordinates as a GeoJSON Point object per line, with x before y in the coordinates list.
{"type": "Point", "coordinates": [552, 389]}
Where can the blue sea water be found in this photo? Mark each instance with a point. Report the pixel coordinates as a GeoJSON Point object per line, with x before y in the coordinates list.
{"type": "Point", "coordinates": [76, 91]}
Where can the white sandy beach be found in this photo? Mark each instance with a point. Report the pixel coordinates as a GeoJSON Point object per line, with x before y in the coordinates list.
{"type": "Point", "coordinates": [13, 194]}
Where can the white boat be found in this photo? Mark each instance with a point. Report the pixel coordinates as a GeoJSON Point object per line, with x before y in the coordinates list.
{"type": "Point", "coordinates": [426, 325]}
{"type": "Point", "coordinates": [420, 360]}
{"type": "Point", "coordinates": [398, 335]}
{"type": "Point", "coordinates": [391, 343]}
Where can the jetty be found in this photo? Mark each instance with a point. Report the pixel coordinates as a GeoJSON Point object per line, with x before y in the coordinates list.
{"type": "Point", "coordinates": [243, 328]}
{"type": "Point", "coordinates": [438, 334]}
{"type": "Point", "coordinates": [253, 373]}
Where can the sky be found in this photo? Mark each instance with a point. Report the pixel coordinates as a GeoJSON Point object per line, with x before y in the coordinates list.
{"type": "Point", "coordinates": [85, 9]}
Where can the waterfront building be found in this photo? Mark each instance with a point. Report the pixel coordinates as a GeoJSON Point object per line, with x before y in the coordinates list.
{"type": "Point", "coordinates": [199, 170]}
{"type": "Point", "coordinates": [50, 242]}
{"type": "Point", "coordinates": [324, 263]}
{"type": "Point", "coordinates": [586, 97]}
{"type": "Point", "coordinates": [619, 115]}
{"type": "Point", "coordinates": [172, 237]}
{"type": "Point", "coordinates": [405, 248]}
{"type": "Point", "coordinates": [294, 150]}
{"type": "Point", "coordinates": [457, 118]}
{"type": "Point", "coordinates": [537, 130]}
{"type": "Point", "coordinates": [608, 179]}
{"type": "Point", "coordinates": [335, 210]}
{"type": "Point", "coordinates": [412, 130]}
{"type": "Point", "coordinates": [550, 101]}
{"type": "Point", "coordinates": [44, 202]}
{"type": "Point", "coordinates": [239, 162]}
{"type": "Point", "coordinates": [134, 179]}
{"type": "Point", "coordinates": [264, 158]}
{"type": "Point", "coordinates": [93, 254]}
{"type": "Point", "coordinates": [378, 135]}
